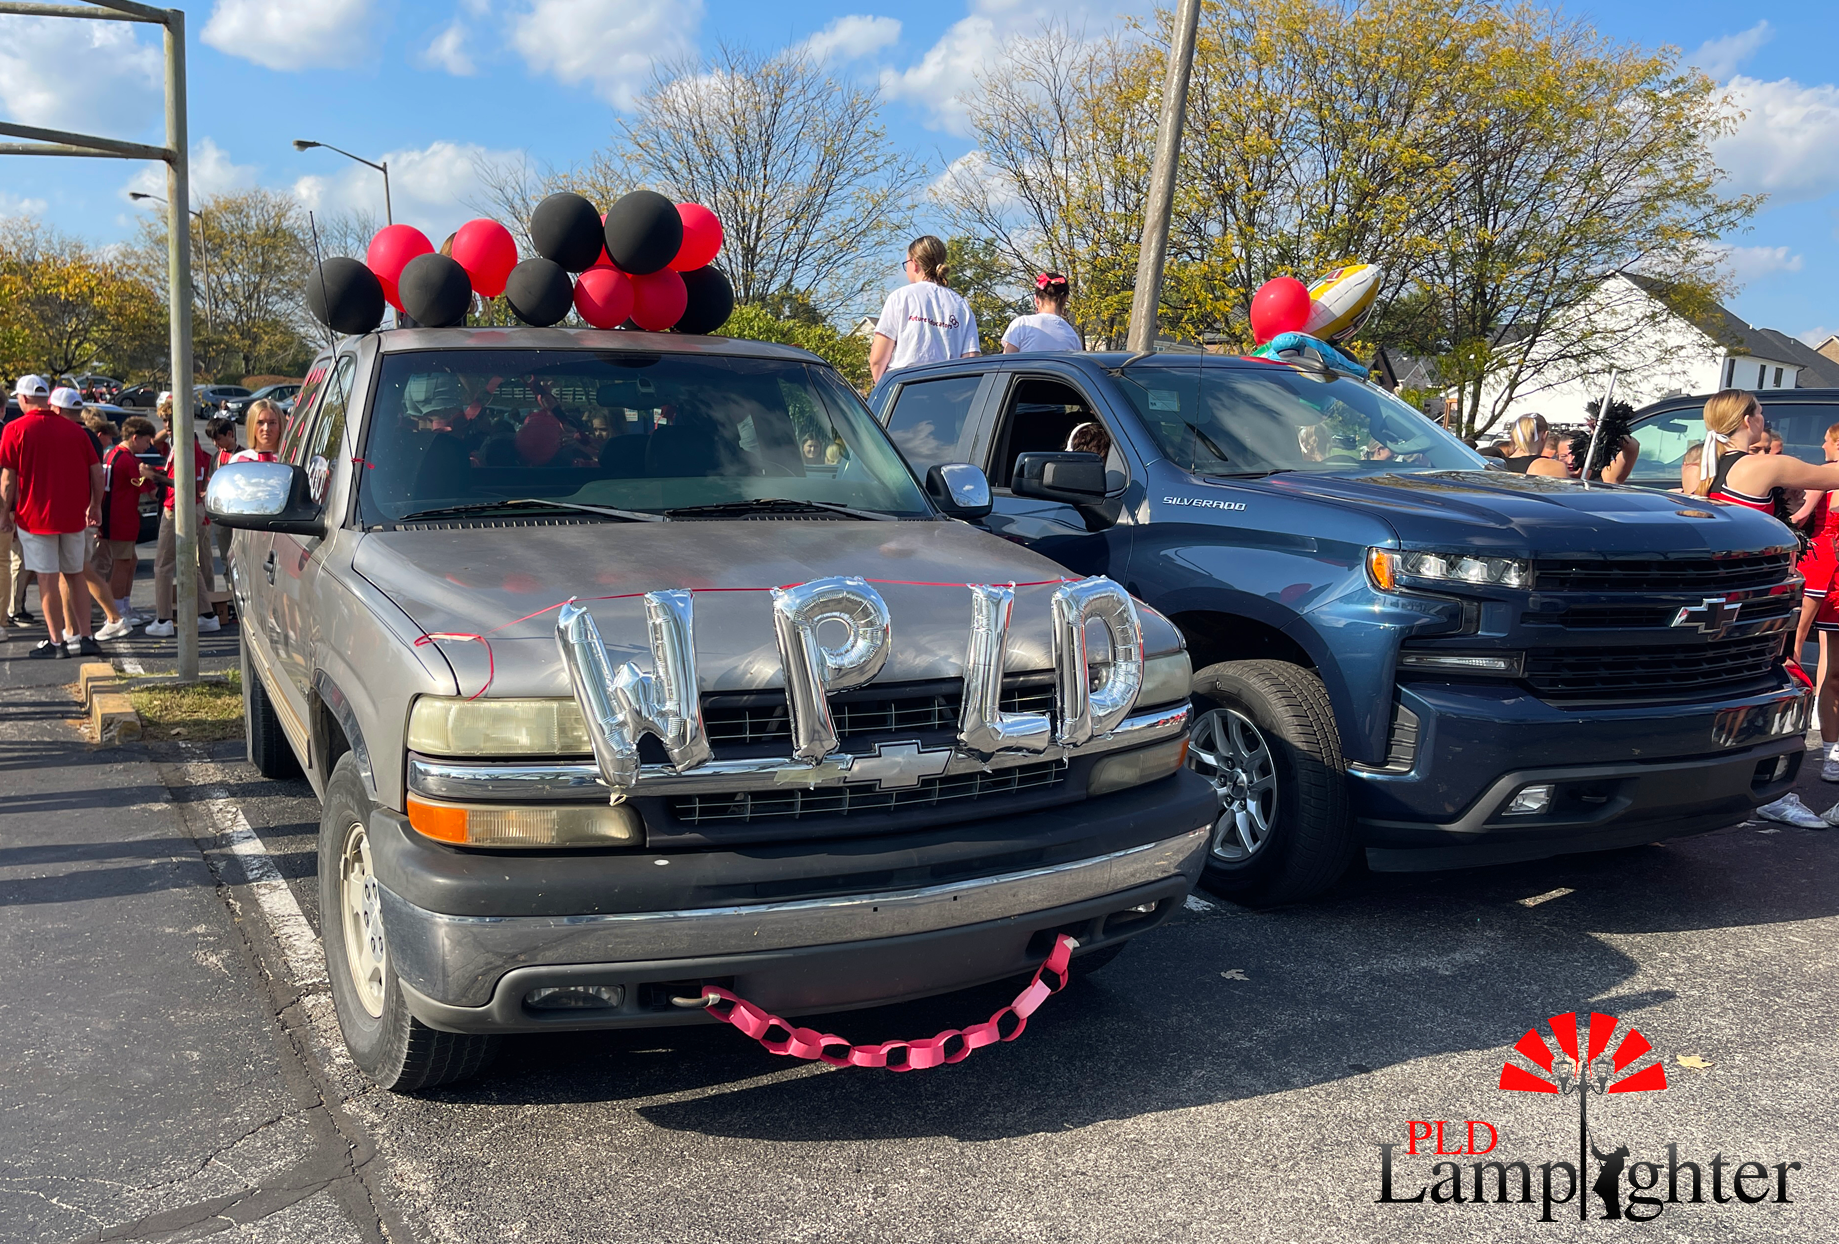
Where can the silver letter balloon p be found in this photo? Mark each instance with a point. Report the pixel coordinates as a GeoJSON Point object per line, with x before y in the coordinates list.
{"type": "Point", "coordinates": [850, 650]}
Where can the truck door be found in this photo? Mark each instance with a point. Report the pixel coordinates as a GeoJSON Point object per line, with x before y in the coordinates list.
{"type": "Point", "coordinates": [931, 420]}
{"type": "Point", "coordinates": [293, 565]}
{"type": "Point", "coordinates": [1037, 413]}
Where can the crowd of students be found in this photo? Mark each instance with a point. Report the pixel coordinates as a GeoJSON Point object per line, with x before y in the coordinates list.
{"type": "Point", "coordinates": [71, 484]}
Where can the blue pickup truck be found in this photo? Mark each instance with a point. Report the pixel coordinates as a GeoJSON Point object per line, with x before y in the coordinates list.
{"type": "Point", "coordinates": [1397, 649]}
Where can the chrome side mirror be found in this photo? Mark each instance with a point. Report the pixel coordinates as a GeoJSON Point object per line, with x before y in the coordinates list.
{"type": "Point", "coordinates": [263, 496]}
{"type": "Point", "coordinates": [959, 490]}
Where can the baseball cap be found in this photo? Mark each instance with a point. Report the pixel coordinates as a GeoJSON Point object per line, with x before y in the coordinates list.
{"type": "Point", "coordinates": [31, 386]}
{"type": "Point", "coordinates": [66, 399]}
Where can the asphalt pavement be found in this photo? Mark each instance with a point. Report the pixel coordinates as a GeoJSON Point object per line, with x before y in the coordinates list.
{"type": "Point", "coordinates": [173, 1069]}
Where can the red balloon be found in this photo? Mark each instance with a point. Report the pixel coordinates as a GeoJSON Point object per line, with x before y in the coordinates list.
{"type": "Point", "coordinates": [1281, 305]}
{"type": "Point", "coordinates": [702, 238]}
{"type": "Point", "coordinates": [488, 252]}
{"type": "Point", "coordinates": [603, 296]}
{"type": "Point", "coordinates": [390, 252]}
{"type": "Point", "coordinates": [658, 300]}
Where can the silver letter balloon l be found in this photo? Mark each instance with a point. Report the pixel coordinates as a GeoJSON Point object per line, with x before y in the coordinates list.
{"type": "Point", "coordinates": [855, 618]}
{"type": "Point", "coordinates": [622, 704]}
{"type": "Point", "coordinates": [1093, 697]}
{"type": "Point", "coordinates": [983, 728]}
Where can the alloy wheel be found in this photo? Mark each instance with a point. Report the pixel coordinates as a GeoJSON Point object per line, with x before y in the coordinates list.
{"type": "Point", "coordinates": [1230, 751]}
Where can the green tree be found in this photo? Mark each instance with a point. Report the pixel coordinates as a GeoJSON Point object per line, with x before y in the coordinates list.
{"type": "Point", "coordinates": [987, 282]}
{"type": "Point", "coordinates": [847, 353]}
{"type": "Point", "coordinates": [66, 308]}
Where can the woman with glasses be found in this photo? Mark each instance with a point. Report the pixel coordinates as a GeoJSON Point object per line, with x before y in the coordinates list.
{"type": "Point", "coordinates": [923, 321]}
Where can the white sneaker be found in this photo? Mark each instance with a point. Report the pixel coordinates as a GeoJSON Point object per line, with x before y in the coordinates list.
{"type": "Point", "coordinates": [1789, 810]}
{"type": "Point", "coordinates": [1829, 770]}
{"type": "Point", "coordinates": [207, 622]}
{"type": "Point", "coordinates": [122, 626]}
{"type": "Point", "coordinates": [161, 630]}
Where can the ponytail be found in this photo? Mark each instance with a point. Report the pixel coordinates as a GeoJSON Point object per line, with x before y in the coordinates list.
{"type": "Point", "coordinates": [928, 253]}
{"type": "Point", "coordinates": [1725, 412]}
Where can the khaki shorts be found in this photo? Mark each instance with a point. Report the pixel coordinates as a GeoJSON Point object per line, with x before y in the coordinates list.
{"type": "Point", "coordinates": [118, 550]}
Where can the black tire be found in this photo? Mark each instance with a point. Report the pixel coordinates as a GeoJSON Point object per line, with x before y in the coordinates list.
{"type": "Point", "coordinates": [1301, 811]}
{"type": "Point", "coordinates": [269, 751]}
{"type": "Point", "coordinates": [397, 1051]}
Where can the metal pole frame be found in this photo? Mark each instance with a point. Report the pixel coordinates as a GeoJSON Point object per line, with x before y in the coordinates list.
{"type": "Point", "coordinates": [178, 261]}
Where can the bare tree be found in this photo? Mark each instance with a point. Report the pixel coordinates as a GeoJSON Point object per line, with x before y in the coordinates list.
{"type": "Point", "coordinates": [510, 187]}
{"type": "Point", "coordinates": [810, 192]}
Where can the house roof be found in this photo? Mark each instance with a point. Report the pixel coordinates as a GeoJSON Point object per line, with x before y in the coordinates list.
{"type": "Point", "coordinates": [1719, 323]}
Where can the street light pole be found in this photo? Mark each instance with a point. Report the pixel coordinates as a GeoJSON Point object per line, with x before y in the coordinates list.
{"type": "Point", "coordinates": [179, 260]}
{"type": "Point", "coordinates": [307, 144]}
{"type": "Point", "coordinates": [203, 268]}
{"type": "Point", "coordinates": [1147, 297]}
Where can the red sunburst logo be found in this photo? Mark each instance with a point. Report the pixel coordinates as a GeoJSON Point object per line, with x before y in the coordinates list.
{"type": "Point", "coordinates": [1567, 1029]}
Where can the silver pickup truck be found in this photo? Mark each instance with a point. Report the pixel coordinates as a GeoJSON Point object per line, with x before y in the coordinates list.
{"type": "Point", "coordinates": [628, 664]}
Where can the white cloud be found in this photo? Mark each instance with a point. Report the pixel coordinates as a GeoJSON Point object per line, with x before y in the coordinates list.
{"type": "Point", "coordinates": [1817, 337]}
{"type": "Point", "coordinates": [1786, 141]}
{"type": "Point", "coordinates": [428, 187]}
{"type": "Point", "coordinates": [211, 172]}
{"type": "Point", "coordinates": [93, 77]}
{"type": "Point", "coordinates": [1721, 58]}
{"type": "Point", "coordinates": [853, 37]}
{"type": "Point", "coordinates": [448, 51]}
{"type": "Point", "coordinates": [947, 74]}
{"type": "Point", "coordinates": [12, 205]}
{"type": "Point", "coordinates": [610, 44]}
{"type": "Point", "coordinates": [1748, 263]}
{"type": "Point", "coordinates": [292, 34]}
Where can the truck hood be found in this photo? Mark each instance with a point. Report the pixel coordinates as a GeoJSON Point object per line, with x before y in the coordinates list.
{"type": "Point", "coordinates": [505, 583]}
{"type": "Point", "coordinates": [1528, 515]}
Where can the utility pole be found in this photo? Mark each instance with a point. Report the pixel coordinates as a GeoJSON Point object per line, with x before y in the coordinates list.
{"type": "Point", "coordinates": [1156, 212]}
{"type": "Point", "coordinates": [178, 259]}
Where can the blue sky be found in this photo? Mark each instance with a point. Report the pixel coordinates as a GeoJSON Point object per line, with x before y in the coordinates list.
{"type": "Point", "coordinates": [435, 86]}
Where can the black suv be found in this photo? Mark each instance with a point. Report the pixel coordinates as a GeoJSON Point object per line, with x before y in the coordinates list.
{"type": "Point", "coordinates": [1671, 426]}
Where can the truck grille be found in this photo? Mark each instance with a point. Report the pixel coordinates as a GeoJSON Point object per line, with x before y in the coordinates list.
{"type": "Point", "coordinates": [1663, 574]}
{"type": "Point", "coordinates": [746, 807]}
{"type": "Point", "coordinates": [1649, 616]}
{"type": "Point", "coordinates": [894, 710]}
{"type": "Point", "coordinates": [1671, 672]}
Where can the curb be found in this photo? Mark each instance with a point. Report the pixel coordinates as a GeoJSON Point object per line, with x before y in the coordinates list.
{"type": "Point", "coordinates": [112, 718]}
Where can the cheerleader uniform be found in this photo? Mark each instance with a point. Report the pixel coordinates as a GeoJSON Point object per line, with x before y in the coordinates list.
{"type": "Point", "coordinates": [1722, 491]}
{"type": "Point", "coordinates": [1819, 565]}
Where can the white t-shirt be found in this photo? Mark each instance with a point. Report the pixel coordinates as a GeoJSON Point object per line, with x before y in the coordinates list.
{"type": "Point", "coordinates": [1042, 331]}
{"type": "Point", "coordinates": [928, 324]}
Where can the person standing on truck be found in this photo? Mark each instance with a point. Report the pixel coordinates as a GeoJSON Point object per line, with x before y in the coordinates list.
{"type": "Point", "coordinates": [1047, 328]}
{"type": "Point", "coordinates": [923, 321]}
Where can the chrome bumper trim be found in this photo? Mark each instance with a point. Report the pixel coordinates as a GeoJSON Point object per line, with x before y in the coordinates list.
{"type": "Point", "coordinates": [562, 781]}
{"type": "Point", "coordinates": [458, 959]}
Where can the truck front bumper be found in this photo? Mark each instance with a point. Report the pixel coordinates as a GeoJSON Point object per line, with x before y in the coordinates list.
{"type": "Point", "coordinates": [988, 901]}
{"type": "Point", "coordinates": [1620, 777]}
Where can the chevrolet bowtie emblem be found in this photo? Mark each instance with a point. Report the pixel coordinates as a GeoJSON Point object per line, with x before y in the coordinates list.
{"type": "Point", "coordinates": [895, 766]}
{"type": "Point", "coordinates": [1714, 616]}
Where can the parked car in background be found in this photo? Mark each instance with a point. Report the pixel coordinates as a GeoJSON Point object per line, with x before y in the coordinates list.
{"type": "Point", "coordinates": [209, 399]}
{"type": "Point", "coordinates": [139, 397]}
{"type": "Point", "coordinates": [238, 407]}
{"type": "Point", "coordinates": [1671, 426]}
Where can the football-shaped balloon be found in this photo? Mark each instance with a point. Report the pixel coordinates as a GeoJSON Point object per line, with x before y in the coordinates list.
{"type": "Point", "coordinates": [702, 237]}
{"type": "Point", "coordinates": [488, 252]}
{"type": "Point", "coordinates": [436, 291]}
{"type": "Point", "coordinates": [345, 296]}
{"type": "Point", "coordinates": [1281, 305]}
{"type": "Point", "coordinates": [658, 300]}
{"type": "Point", "coordinates": [710, 301]}
{"type": "Point", "coordinates": [565, 229]}
{"type": "Point", "coordinates": [643, 232]}
{"type": "Point", "coordinates": [539, 292]}
{"type": "Point", "coordinates": [603, 296]}
{"type": "Point", "coordinates": [390, 252]}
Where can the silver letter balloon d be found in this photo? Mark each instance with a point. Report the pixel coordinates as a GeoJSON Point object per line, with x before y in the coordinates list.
{"type": "Point", "coordinates": [983, 728]}
{"type": "Point", "coordinates": [622, 704]}
{"type": "Point", "coordinates": [850, 651]}
{"type": "Point", "coordinates": [1093, 697]}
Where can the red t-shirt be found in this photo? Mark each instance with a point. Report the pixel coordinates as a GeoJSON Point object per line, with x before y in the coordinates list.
{"type": "Point", "coordinates": [122, 521]}
{"type": "Point", "coordinates": [204, 466]}
{"type": "Point", "coordinates": [52, 457]}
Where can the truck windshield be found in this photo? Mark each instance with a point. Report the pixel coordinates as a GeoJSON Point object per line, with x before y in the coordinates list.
{"type": "Point", "coordinates": [463, 429]}
{"type": "Point", "coordinates": [1252, 421]}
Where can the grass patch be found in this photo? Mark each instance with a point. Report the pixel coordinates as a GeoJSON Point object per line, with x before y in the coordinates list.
{"type": "Point", "coordinates": [202, 713]}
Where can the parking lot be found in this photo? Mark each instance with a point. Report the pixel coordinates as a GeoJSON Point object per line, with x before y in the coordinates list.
{"type": "Point", "coordinates": [175, 1071]}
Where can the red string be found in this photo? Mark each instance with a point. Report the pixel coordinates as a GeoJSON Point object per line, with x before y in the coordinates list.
{"type": "Point", "coordinates": [808, 1043]}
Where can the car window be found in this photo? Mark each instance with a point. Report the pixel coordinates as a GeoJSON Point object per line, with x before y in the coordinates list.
{"type": "Point", "coordinates": [1664, 439]}
{"type": "Point", "coordinates": [1042, 415]}
{"type": "Point", "coordinates": [622, 429]}
{"type": "Point", "coordinates": [326, 440]}
{"type": "Point", "coordinates": [927, 421]}
{"type": "Point", "coordinates": [1802, 425]}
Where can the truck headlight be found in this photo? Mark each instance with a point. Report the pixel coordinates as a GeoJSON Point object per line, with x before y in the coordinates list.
{"type": "Point", "coordinates": [1391, 568]}
{"type": "Point", "coordinates": [448, 726]}
{"type": "Point", "coordinates": [1166, 680]}
{"type": "Point", "coordinates": [490, 825]}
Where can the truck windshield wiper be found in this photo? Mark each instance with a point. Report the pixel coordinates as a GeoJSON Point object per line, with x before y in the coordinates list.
{"type": "Point", "coordinates": [777, 505]}
{"type": "Point", "coordinates": [485, 507]}
{"type": "Point", "coordinates": [1246, 474]}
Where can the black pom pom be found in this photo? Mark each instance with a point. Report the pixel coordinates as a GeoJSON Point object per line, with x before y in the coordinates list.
{"type": "Point", "coordinates": [644, 232]}
{"type": "Point", "coordinates": [539, 292]}
{"type": "Point", "coordinates": [345, 296]}
{"type": "Point", "coordinates": [565, 229]}
{"type": "Point", "coordinates": [435, 291]}
{"type": "Point", "coordinates": [711, 300]}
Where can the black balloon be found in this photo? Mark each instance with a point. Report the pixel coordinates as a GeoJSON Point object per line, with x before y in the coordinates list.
{"type": "Point", "coordinates": [711, 300]}
{"type": "Point", "coordinates": [345, 296]}
{"type": "Point", "coordinates": [565, 229]}
{"type": "Point", "coordinates": [644, 232]}
{"type": "Point", "coordinates": [539, 292]}
{"type": "Point", "coordinates": [435, 290]}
